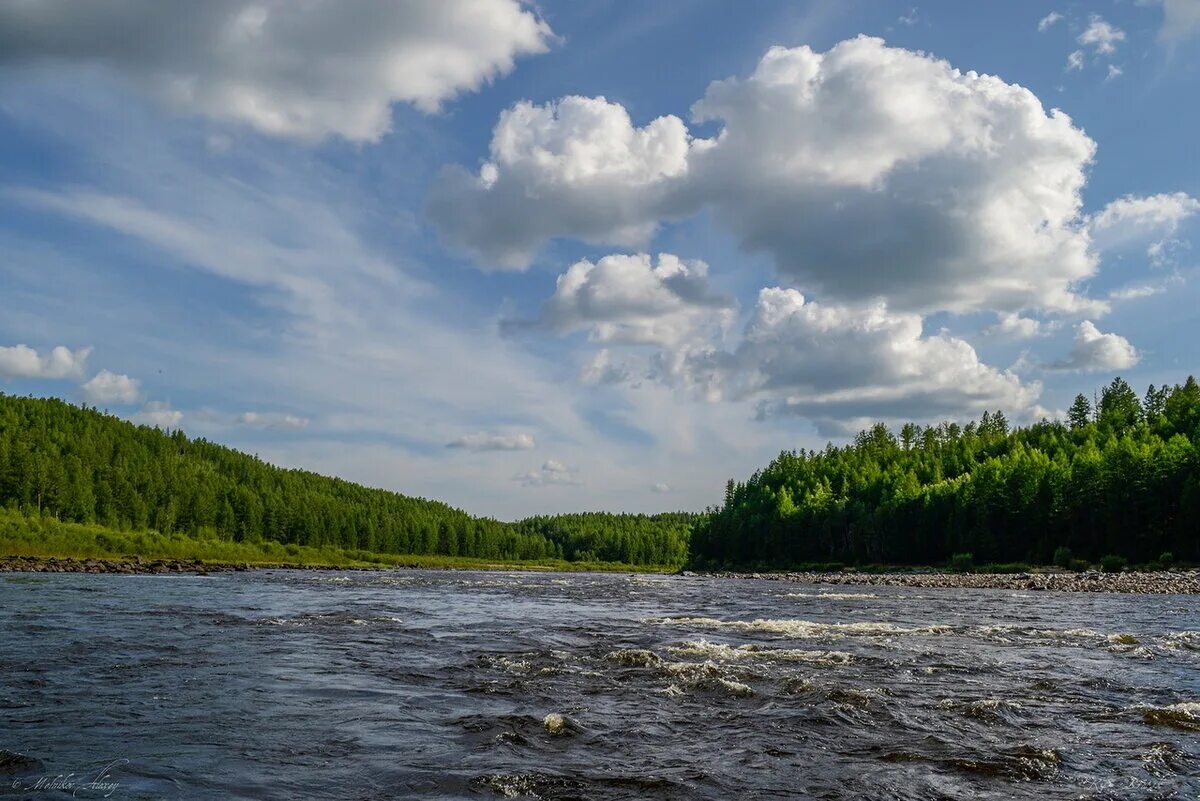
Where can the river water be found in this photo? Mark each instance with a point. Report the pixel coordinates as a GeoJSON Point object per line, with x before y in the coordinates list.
{"type": "Point", "coordinates": [430, 684]}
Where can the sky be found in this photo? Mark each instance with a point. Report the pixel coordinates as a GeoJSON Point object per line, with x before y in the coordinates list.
{"type": "Point", "coordinates": [535, 258]}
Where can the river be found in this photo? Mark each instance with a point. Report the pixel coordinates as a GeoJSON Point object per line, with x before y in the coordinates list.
{"type": "Point", "coordinates": [447, 685]}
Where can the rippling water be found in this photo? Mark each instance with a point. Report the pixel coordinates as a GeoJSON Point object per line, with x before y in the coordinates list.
{"type": "Point", "coordinates": [282, 685]}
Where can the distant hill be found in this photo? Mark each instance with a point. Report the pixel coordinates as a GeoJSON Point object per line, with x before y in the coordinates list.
{"type": "Point", "coordinates": [83, 466]}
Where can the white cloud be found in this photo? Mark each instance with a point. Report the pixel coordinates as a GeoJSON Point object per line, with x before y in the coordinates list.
{"type": "Point", "coordinates": [660, 488]}
{"type": "Point", "coordinates": [631, 300]}
{"type": "Point", "coordinates": [494, 442]}
{"type": "Point", "coordinates": [1101, 36]}
{"type": "Point", "coordinates": [1133, 219]}
{"type": "Point", "coordinates": [108, 387]}
{"type": "Point", "coordinates": [601, 368]}
{"type": "Point", "coordinates": [578, 166]}
{"type": "Point", "coordinates": [1137, 291]}
{"type": "Point", "coordinates": [274, 420]}
{"type": "Point", "coordinates": [158, 414]}
{"type": "Point", "coordinates": [1095, 350]}
{"type": "Point", "coordinates": [1114, 72]}
{"type": "Point", "coordinates": [1051, 19]}
{"type": "Point", "coordinates": [842, 366]}
{"type": "Point", "coordinates": [552, 471]}
{"type": "Point", "coordinates": [1010, 325]}
{"type": "Point", "coordinates": [22, 361]}
{"type": "Point", "coordinates": [1075, 61]}
{"type": "Point", "coordinates": [865, 171]}
{"type": "Point", "coordinates": [300, 69]}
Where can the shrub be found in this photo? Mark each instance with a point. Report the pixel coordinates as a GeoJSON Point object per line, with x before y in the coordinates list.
{"type": "Point", "coordinates": [1063, 557]}
{"type": "Point", "coordinates": [962, 562]}
{"type": "Point", "coordinates": [1113, 563]}
{"type": "Point", "coordinates": [1167, 559]}
{"type": "Point", "coordinates": [1080, 565]}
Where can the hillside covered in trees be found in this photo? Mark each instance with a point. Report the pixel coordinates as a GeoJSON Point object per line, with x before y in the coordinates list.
{"type": "Point", "coordinates": [79, 465]}
{"type": "Point", "coordinates": [1122, 478]}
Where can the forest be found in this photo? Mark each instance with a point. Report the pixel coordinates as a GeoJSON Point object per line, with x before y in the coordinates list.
{"type": "Point", "coordinates": [1120, 477]}
{"type": "Point", "coordinates": [78, 465]}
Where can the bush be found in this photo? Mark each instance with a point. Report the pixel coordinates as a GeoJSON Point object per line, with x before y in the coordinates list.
{"type": "Point", "coordinates": [1063, 557]}
{"type": "Point", "coordinates": [962, 562]}
{"type": "Point", "coordinates": [1166, 560]}
{"type": "Point", "coordinates": [1080, 565]}
{"type": "Point", "coordinates": [1113, 563]}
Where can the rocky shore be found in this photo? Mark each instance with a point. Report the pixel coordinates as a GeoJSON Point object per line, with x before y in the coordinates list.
{"type": "Point", "coordinates": [37, 564]}
{"type": "Point", "coordinates": [1155, 583]}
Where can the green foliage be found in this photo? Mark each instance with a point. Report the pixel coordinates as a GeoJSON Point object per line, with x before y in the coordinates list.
{"type": "Point", "coordinates": [962, 562]}
{"type": "Point", "coordinates": [21, 535]}
{"type": "Point", "coordinates": [1113, 563]}
{"type": "Point", "coordinates": [1063, 557]}
{"type": "Point", "coordinates": [78, 465]}
{"type": "Point", "coordinates": [1080, 565]}
{"type": "Point", "coordinates": [1125, 483]}
{"type": "Point", "coordinates": [600, 536]}
{"type": "Point", "coordinates": [1166, 559]}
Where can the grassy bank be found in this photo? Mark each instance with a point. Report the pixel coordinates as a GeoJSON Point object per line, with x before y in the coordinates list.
{"type": "Point", "coordinates": [45, 537]}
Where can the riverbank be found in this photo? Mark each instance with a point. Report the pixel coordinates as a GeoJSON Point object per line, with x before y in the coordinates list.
{"type": "Point", "coordinates": [145, 566]}
{"type": "Point", "coordinates": [45, 545]}
{"type": "Point", "coordinates": [1149, 583]}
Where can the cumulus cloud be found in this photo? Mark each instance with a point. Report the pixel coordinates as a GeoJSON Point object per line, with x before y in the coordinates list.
{"type": "Point", "coordinates": [865, 171]}
{"type": "Point", "coordinates": [551, 472]}
{"type": "Point", "coordinates": [842, 365]}
{"type": "Point", "coordinates": [109, 387]}
{"type": "Point", "coordinates": [631, 300]}
{"type": "Point", "coordinates": [1075, 61]}
{"type": "Point", "coordinates": [158, 414]}
{"type": "Point", "coordinates": [660, 488]}
{"type": "Point", "coordinates": [274, 420]}
{"type": "Point", "coordinates": [1095, 350]}
{"type": "Point", "coordinates": [1101, 36]}
{"type": "Point", "coordinates": [576, 166]}
{"type": "Point", "coordinates": [1048, 21]}
{"type": "Point", "coordinates": [22, 361]}
{"type": "Point", "coordinates": [494, 442]}
{"type": "Point", "coordinates": [300, 69]}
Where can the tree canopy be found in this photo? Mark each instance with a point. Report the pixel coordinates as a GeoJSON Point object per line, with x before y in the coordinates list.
{"type": "Point", "coordinates": [80, 465]}
{"type": "Point", "coordinates": [1121, 479]}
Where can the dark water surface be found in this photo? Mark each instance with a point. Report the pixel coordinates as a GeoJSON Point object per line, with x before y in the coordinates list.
{"type": "Point", "coordinates": [283, 685]}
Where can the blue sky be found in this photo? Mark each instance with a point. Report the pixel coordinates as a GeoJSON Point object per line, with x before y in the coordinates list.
{"type": "Point", "coordinates": [533, 258]}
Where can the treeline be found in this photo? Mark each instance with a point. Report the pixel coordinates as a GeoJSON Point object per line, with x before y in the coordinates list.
{"type": "Point", "coordinates": [602, 537]}
{"type": "Point", "coordinates": [82, 466]}
{"type": "Point", "coordinates": [1122, 478]}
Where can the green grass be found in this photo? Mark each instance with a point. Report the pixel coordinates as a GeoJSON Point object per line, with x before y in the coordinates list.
{"type": "Point", "coordinates": [46, 537]}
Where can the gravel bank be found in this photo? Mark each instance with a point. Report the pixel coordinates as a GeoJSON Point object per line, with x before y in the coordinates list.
{"type": "Point", "coordinates": [1157, 583]}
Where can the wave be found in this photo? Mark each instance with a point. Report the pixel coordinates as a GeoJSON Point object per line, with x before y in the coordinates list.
{"type": "Point", "coordinates": [806, 629]}
{"type": "Point", "coordinates": [832, 596]}
{"type": "Point", "coordinates": [1185, 715]}
{"type": "Point", "coordinates": [730, 653]}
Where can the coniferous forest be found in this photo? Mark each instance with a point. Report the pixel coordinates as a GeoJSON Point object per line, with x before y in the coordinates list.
{"type": "Point", "coordinates": [79, 465]}
{"type": "Point", "coordinates": [1120, 477]}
